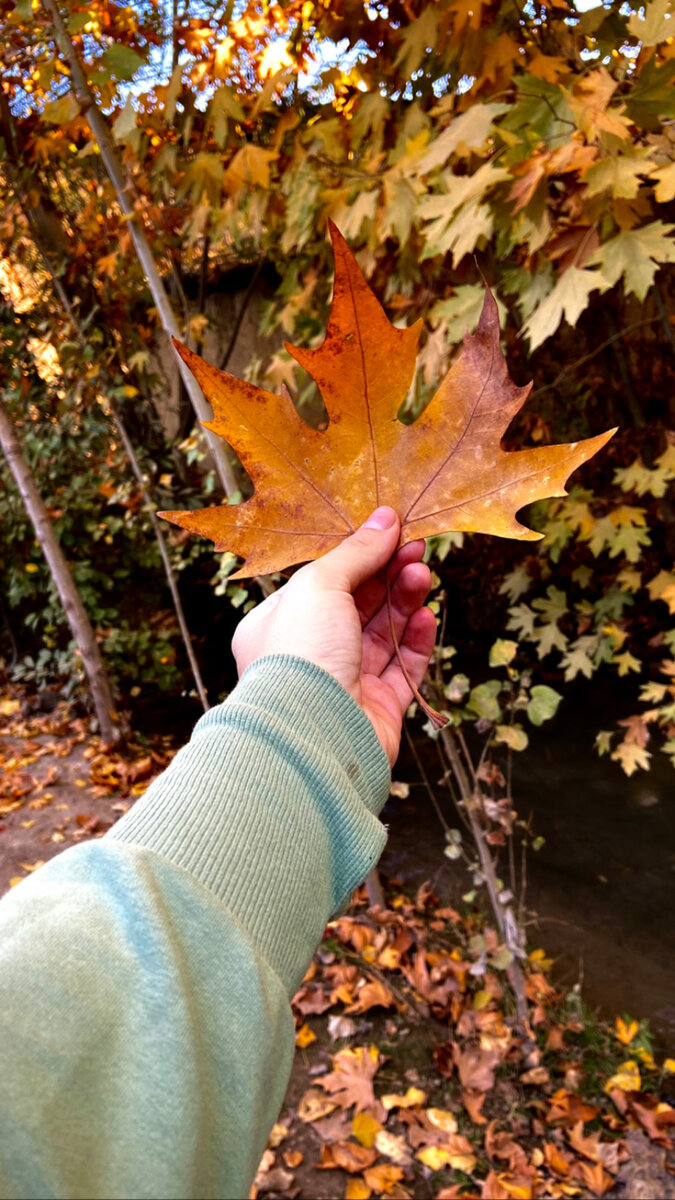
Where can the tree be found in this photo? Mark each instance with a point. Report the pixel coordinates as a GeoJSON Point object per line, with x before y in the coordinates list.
{"type": "Point", "coordinates": [73, 607]}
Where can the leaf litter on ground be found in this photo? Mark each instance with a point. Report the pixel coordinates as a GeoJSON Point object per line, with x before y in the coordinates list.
{"type": "Point", "coordinates": [438, 1095]}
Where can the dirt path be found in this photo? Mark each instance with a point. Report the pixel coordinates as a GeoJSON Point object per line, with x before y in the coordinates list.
{"type": "Point", "coordinates": [57, 786]}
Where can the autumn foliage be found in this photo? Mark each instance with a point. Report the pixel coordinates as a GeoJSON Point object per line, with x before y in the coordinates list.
{"type": "Point", "coordinates": [539, 139]}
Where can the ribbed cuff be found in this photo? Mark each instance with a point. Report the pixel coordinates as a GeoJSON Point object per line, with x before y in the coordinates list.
{"type": "Point", "coordinates": [273, 806]}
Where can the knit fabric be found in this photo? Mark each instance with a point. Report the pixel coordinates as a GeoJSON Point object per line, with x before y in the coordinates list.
{"type": "Point", "coordinates": [146, 1035]}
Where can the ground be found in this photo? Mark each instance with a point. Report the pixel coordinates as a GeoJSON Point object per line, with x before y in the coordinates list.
{"type": "Point", "coordinates": [413, 1076]}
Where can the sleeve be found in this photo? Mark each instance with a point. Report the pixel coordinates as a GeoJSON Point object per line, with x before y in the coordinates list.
{"type": "Point", "coordinates": [146, 1035]}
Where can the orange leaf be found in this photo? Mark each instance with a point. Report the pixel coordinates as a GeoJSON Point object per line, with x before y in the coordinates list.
{"type": "Point", "coordinates": [346, 1156]}
{"type": "Point", "coordinates": [382, 1178]}
{"type": "Point", "coordinates": [351, 1080]}
{"type": "Point", "coordinates": [446, 471]}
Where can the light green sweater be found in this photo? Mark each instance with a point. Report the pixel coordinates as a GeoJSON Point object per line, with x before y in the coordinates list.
{"type": "Point", "coordinates": [146, 1035]}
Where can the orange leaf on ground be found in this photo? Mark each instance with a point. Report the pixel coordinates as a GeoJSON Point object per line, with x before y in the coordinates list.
{"type": "Point", "coordinates": [382, 1178]}
{"type": "Point", "coordinates": [351, 1080]}
{"type": "Point", "coordinates": [446, 471]}
{"type": "Point", "coordinates": [346, 1156]}
{"type": "Point", "coordinates": [373, 994]}
{"type": "Point", "coordinates": [357, 1189]}
{"type": "Point", "coordinates": [476, 1068]}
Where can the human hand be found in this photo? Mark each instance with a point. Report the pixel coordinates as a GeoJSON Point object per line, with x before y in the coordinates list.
{"type": "Point", "coordinates": [334, 613]}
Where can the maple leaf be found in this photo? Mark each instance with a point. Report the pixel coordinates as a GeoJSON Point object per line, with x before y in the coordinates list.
{"type": "Point", "coordinates": [636, 254]}
{"type": "Point", "coordinates": [351, 1080]}
{"type": "Point", "coordinates": [445, 472]}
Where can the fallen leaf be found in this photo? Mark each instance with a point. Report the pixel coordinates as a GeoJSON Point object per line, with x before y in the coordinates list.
{"type": "Point", "coordinates": [412, 1099]}
{"type": "Point", "coordinates": [311, 1000]}
{"type": "Point", "coordinates": [341, 1027]}
{"type": "Point", "coordinates": [459, 1155]}
{"type": "Point", "coordinates": [382, 1178]}
{"type": "Point", "coordinates": [446, 471]}
{"type": "Point", "coordinates": [596, 1178]}
{"type": "Point", "coordinates": [365, 1129]}
{"type": "Point", "coordinates": [277, 1135]}
{"type": "Point", "coordinates": [626, 1079]}
{"type": "Point", "coordinates": [567, 1109]}
{"type": "Point", "coordinates": [314, 1105]}
{"type": "Point", "coordinates": [556, 1161]}
{"type": "Point", "coordinates": [625, 1031]}
{"type": "Point", "coordinates": [292, 1158]}
{"type": "Point", "coordinates": [588, 1146]}
{"type": "Point", "coordinates": [441, 1119]}
{"type": "Point", "coordinates": [351, 1081]}
{"type": "Point", "coordinates": [443, 1059]}
{"type": "Point", "coordinates": [373, 994]}
{"type": "Point", "coordinates": [346, 1156]}
{"type": "Point", "coordinates": [473, 1102]}
{"type": "Point", "coordinates": [393, 1147]}
{"type": "Point", "coordinates": [357, 1189]}
{"type": "Point", "coordinates": [476, 1068]}
{"type": "Point", "coordinates": [538, 1076]}
{"type": "Point", "coordinates": [304, 1037]}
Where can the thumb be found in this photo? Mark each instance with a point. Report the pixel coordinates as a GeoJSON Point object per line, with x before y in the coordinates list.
{"type": "Point", "coordinates": [365, 552]}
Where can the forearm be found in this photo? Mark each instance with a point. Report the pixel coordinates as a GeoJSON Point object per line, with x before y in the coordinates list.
{"type": "Point", "coordinates": [146, 1035]}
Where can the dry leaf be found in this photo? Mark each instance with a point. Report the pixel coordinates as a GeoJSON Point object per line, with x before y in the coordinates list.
{"type": "Point", "coordinates": [314, 1105]}
{"type": "Point", "coordinates": [351, 1081]}
{"type": "Point", "coordinates": [413, 1097]}
{"type": "Point", "coordinates": [293, 1158]}
{"type": "Point", "coordinates": [382, 1178]}
{"type": "Point", "coordinates": [373, 994]}
{"type": "Point", "coordinates": [473, 1102]}
{"type": "Point", "coordinates": [393, 1147]}
{"type": "Point", "coordinates": [277, 1135]}
{"type": "Point", "coordinates": [476, 1068]}
{"type": "Point", "coordinates": [346, 1156]}
{"type": "Point", "coordinates": [457, 1153]}
{"type": "Point", "coordinates": [304, 1037]}
{"type": "Point", "coordinates": [446, 471]}
{"type": "Point", "coordinates": [365, 1129]}
{"type": "Point", "coordinates": [357, 1189]}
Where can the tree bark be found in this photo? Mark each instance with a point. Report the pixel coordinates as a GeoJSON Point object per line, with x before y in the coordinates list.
{"type": "Point", "coordinates": [101, 132]}
{"type": "Point", "coordinates": [76, 615]}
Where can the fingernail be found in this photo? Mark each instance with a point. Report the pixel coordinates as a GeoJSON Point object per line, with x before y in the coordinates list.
{"type": "Point", "coordinates": [382, 518]}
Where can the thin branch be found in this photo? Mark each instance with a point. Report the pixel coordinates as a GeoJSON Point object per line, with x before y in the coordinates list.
{"type": "Point", "coordinates": [425, 779]}
{"type": "Point", "coordinates": [547, 387]}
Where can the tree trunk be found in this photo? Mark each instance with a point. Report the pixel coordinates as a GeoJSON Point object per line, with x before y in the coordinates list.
{"type": "Point", "coordinates": [78, 620]}
{"type": "Point", "coordinates": [101, 132]}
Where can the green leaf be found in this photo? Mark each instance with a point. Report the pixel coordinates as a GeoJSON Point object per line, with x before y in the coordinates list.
{"type": "Point", "coordinates": [568, 300]}
{"type": "Point", "coordinates": [620, 174]}
{"type": "Point", "coordinates": [468, 131]}
{"type": "Point", "coordinates": [125, 125]}
{"type": "Point", "coordinates": [119, 62]}
{"type": "Point", "coordinates": [636, 254]}
{"type": "Point", "coordinates": [483, 700]}
{"type": "Point", "coordinates": [543, 703]}
{"type": "Point", "coordinates": [657, 24]}
{"type": "Point", "coordinates": [462, 310]}
{"type": "Point", "coordinates": [59, 112]}
{"type": "Point", "coordinates": [652, 100]}
{"type": "Point", "coordinates": [502, 959]}
{"type": "Point", "coordinates": [417, 41]}
{"type": "Point", "coordinates": [502, 652]}
{"type": "Point", "coordinates": [457, 688]}
{"type": "Point", "coordinates": [173, 92]}
{"type": "Point", "coordinates": [513, 736]}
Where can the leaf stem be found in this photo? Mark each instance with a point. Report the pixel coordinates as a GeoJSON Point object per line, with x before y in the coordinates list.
{"type": "Point", "coordinates": [438, 720]}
